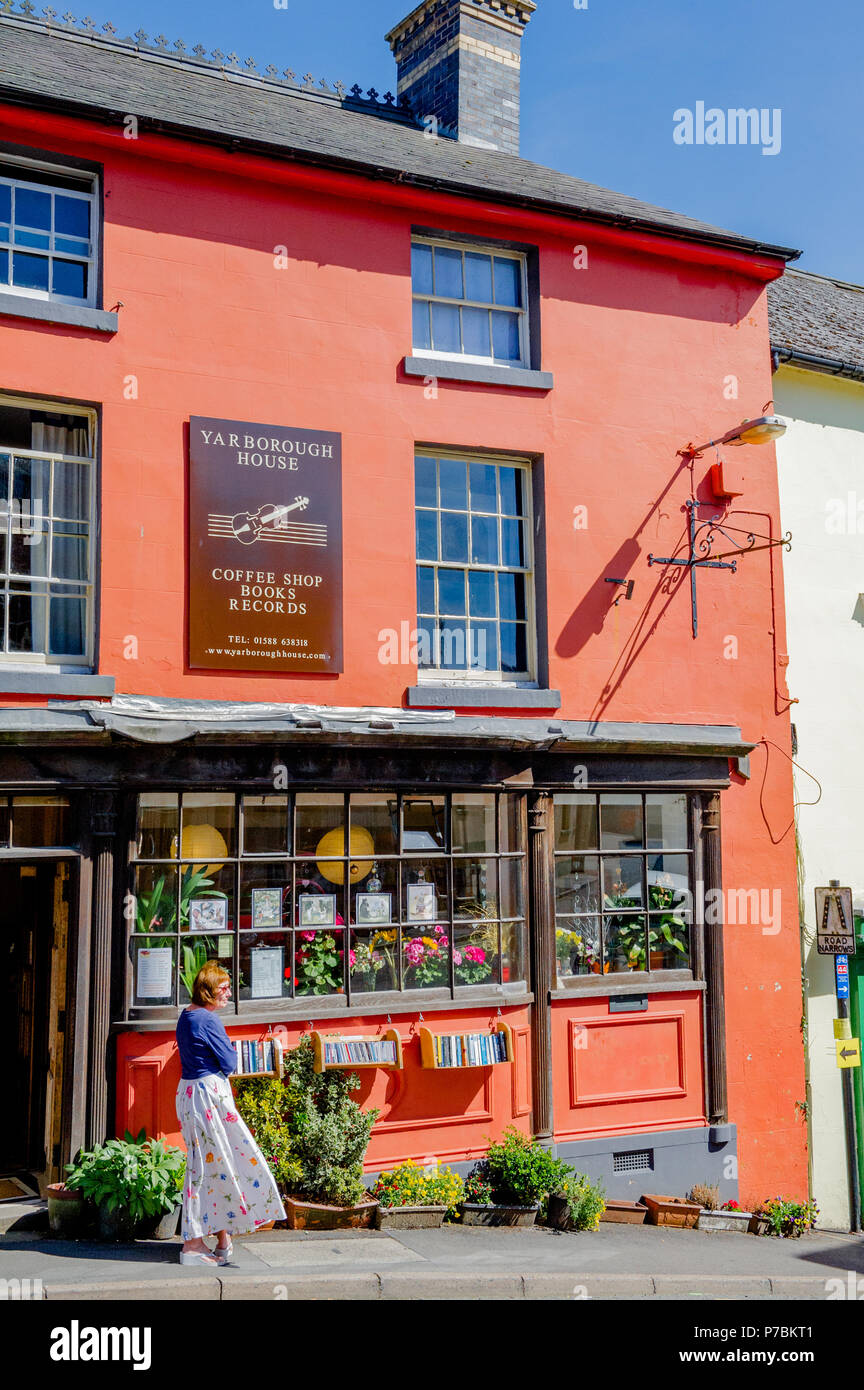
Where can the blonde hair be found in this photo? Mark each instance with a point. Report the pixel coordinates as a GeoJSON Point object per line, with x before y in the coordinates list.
{"type": "Point", "coordinates": [205, 990]}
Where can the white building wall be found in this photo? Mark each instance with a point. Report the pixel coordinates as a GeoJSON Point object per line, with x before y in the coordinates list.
{"type": "Point", "coordinates": [821, 468]}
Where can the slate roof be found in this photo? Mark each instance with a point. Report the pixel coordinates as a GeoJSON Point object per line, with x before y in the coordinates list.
{"type": "Point", "coordinates": [54, 65]}
{"type": "Point", "coordinates": [813, 316]}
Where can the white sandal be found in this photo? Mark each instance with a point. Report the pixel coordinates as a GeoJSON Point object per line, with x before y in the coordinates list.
{"type": "Point", "coordinates": [225, 1256]}
{"type": "Point", "coordinates": [198, 1257]}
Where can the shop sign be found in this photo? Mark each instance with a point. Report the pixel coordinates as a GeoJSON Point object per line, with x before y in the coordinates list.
{"type": "Point", "coordinates": [265, 548]}
{"type": "Point", "coordinates": [835, 929]}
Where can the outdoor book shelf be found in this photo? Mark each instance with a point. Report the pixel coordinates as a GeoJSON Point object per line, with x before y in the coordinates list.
{"type": "Point", "coordinates": [445, 1051]}
{"type": "Point", "coordinates": [342, 1050]}
{"type": "Point", "coordinates": [258, 1057]}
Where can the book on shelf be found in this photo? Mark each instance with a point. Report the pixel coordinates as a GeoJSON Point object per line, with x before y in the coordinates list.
{"type": "Point", "coordinates": [359, 1051]}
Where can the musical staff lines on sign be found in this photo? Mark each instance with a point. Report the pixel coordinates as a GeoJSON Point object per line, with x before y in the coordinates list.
{"type": "Point", "coordinates": [270, 523]}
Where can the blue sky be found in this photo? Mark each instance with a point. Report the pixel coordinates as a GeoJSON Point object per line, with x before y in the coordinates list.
{"type": "Point", "coordinates": [600, 86]}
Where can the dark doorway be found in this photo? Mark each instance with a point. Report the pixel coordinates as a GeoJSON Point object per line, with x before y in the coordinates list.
{"type": "Point", "coordinates": [34, 916]}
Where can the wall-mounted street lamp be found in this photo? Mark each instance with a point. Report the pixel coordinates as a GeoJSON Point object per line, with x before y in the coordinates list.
{"type": "Point", "coordinates": [759, 431]}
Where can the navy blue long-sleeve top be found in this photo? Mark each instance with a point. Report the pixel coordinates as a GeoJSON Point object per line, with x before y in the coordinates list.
{"type": "Point", "coordinates": [204, 1045]}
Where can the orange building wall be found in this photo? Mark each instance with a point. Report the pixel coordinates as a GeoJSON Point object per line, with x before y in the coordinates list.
{"type": "Point", "coordinates": [648, 352]}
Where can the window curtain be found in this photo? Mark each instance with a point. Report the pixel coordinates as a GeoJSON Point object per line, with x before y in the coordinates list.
{"type": "Point", "coordinates": [67, 614]}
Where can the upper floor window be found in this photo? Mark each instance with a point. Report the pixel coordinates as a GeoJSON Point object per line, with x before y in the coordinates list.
{"type": "Point", "coordinates": [48, 233]}
{"type": "Point", "coordinates": [470, 302]}
{"type": "Point", "coordinates": [46, 532]}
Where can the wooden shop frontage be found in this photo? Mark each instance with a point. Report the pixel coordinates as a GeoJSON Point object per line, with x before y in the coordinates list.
{"type": "Point", "coordinates": [377, 874]}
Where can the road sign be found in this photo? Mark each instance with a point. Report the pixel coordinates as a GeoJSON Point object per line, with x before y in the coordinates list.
{"type": "Point", "coordinates": [848, 1052]}
{"type": "Point", "coordinates": [841, 976]}
{"type": "Point", "coordinates": [835, 928]}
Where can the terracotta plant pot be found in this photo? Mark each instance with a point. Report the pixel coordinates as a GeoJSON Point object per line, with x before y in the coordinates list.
{"type": "Point", "coordinates": [473, 1214]}
{"type": "Point", "coordinates": [626, 1213]}
{"type": "Point", "coordinates": [409, 1218]}
{"type": "Point", "coordinates": [318, 1216]}
{"type": "Point", "coordinates": [725, 1221]}
{"type": "Point", "coordinates": [671, 1211]}
{"type": "Point", "coordinates": [67, 1210]}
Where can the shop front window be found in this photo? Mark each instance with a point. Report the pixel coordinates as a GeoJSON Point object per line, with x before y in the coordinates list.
{"type": "Point", "coordinates": [622, 883]}
{"type": "Point", "coordinates": [324, 894]}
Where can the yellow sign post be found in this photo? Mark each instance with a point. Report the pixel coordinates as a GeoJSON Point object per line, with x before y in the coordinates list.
{"type": "Point", "coordinates": [848, 1052]}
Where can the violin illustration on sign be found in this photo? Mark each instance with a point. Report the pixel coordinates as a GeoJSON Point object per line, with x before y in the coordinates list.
{"type": "Point", "coordinates": [269, 523]}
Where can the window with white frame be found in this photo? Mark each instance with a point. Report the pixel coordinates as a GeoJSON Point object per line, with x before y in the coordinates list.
{"type": "Point", "coordinates": [46, 532]}
{"type": "Point", "coordinates": [48, 233]}
{"type": "Point", "coordinates": [470, 302]}
{"type": "Point", "coordinates": [474, 566]}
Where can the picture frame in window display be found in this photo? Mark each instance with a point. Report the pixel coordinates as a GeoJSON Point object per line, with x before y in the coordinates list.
{"type": "Point", "coordinates": [266, 908]}
{"type": "Point", "coordinates": [422, 902]}
{"type": "Point", "coordinates": [317, 909]}
{"type": "Point", "coordinates": [373, 909]}
{"type": "Point", "coordinates": [208, 915]}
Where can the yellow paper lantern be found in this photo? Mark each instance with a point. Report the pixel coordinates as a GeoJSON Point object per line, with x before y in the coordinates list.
{"type": "Point", "coordinates": [204, 841]}
{"type": "Point", "coordinates": [359, 842]}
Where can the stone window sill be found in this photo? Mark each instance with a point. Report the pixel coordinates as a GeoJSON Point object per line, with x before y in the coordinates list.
{"type": "Point", "coordinates": [674, 982]}
{"type": "Point", "coordinates": [481, 697]}
{"type": "Point", "coordinates": [47, 683]}
{"type": "Point", "coordinates": [72, 315]}
{"type": "Point", "coordinates": [450, 370]}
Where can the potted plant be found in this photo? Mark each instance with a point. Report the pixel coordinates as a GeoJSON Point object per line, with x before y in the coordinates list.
{"type": "Point", "coordinates": [784, 1217]}
{"type": "Point", "coordinates": [671, 1211]}
{"type": "Point", "coordinates": [132, 1183]}
{"type": "Point", "coordinates": [623, 1212]}
{"type": "Point", "coordinates": [729, 1217]}
{"type": "Point", "coordinates": [577, 1204]}
{"type": "Point", "coordinates": [411, 1199]}
{"type": "Point", "coordinates": [329, 1137]}
{"type": "Point", "coordinates": [505, 1187]}
{"type": "Point", "coordinates": [68, 1212]}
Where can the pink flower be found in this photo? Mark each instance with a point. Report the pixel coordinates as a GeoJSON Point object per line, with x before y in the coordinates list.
{"type": "Point", "coordinates": [475, 954]}
{"type": "Point", "coordinates": [208, 1114]}
{"type": "Point", "coordinates": [438, 929]}
{"type": "Point", "coordinates": [188, 1091]}
{"type": "Point", "coordinates": [308, 935]}
{"type": "Point", "coordinates": [457, 957]}
{"type": "Point", "coordinates": [230, 1117]}
{"type": "Point", "coordinates": [414, 952]}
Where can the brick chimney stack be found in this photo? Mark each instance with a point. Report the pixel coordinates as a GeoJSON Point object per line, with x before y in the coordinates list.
{"type": "Point", "coordinates": [459, 61]}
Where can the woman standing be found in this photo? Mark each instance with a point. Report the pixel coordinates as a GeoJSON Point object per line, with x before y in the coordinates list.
{"type": "Point", "coordinates": [228, 1185]}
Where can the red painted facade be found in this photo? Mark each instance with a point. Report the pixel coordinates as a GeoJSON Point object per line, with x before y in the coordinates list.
{"type": "Point", "coordinates": [648, 345]}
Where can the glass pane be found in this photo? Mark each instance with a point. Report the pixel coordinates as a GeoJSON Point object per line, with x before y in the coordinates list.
{"type": "Point", "coordinates": [69, 278]}
{"type": "Point", "coordinates": [575, 820]}
{"type": "Point", "coordinates": [473, 819]}
{"type": "Point", "coordinates": [514, 647]}
{"type": "Point", "coordinates": [158, 822]}
{"type": "Point", "coordinates": [454, 537]}
{"type": "Point", "coordinates": [577, 946]}
{"type": "Point", "coordinates": [481, 594]}
{"type": "Point", "coordinates": [69, 557]}
{"type": "Point", "coordinates": [483, 646]}
{"type": "Point", "coordinates": [72, 216]}
{"type": "Point", "coordinates": [512, 877]}
{"type": "Point", "coordinates": [265, 896]}
{"type": "Point", "coordinates": [445, 328]}
{"type": "Point", "coordinates": [475, 890]}
{"type": "Point", "coordinates": [195, 952]}
{"type": "Point", "coordinates": [39, 240]}
{"type": "Point", "coordinates": [622, 881]}
{"type": "Point", "coordinates": [32, 209]}
{"type": "Point", "coordinates": [5, 822]}
{"type": "Point", "coordinates": [29, 272]}
{"type": "Point", "coordinates": [29, 554]}
{"type": "Point", "coordinates": [484, 540]}
{"type": "Point", "coordinates": [424, 824]}
{"type": "Point", "coordinates": [265, 825]}
{"type": "Point", "coordinates": [453, 479]}
{"type": "Point", "coordinates": [153, 967]}
{"type": "Point", "coordinates": [5, 203]}
{"type": "Point", "coordinates": [512, 824]}
{"type": "Point", "coordinates": [374, 960]}
{"type": "Point", "coordinates": [421, 331]}
{"type": "Point", "coordinates": [666, 820]}
{"type": "Point", "coordinates": [476, 950]}
{"type": "Point", "coordinates": [374, 824]}
{"type": "Point", "coordinates": [514, 961]}
{"type": "Point", "coordinates": [27, 622]}
{"type": "Point", "coordinates": [475, 333]}
{"type": "Point", "coordinates": [448, 273]}
{"type": "Point", "coordinates": [427, 642]}
{"type": "Point", "coordinates": [71, 491]}
{"type": "Point", "coordinates": [453, 644]}
{"type": "Point", "coordinates": [319, 962]}
{"type": "Point", "coordinates": [320, 828]}
{"type": "Point", "coordinates": [668, 881]}
{"type": "Point", "coordinates": [421, 268]}
{"type": "Point", "coordinates": [511, 481]}
{"type": "Point", "coordinates": [265, 966]}
{"type": "Point", "coordinates": [427, 535]}
{"type": "Point", "coordinates": [208, 828]}
{"type": "Point", "coordinates": [4, 263]}
{"type": "Point", "coordinates": [621, 821]}
{"type": "Point", "coordinates": [478, 277]}
{"type": "Point", "coordinates": [426, 957]}
{"type": "Point", "coordinates": [425, 589]}
{"type": "Point", "coordinates": [508, 281]}
{"type": "Point", "coordinates": [669, 941]}
{"type": "Point", "coordinates": [31, 487]}
{"type": "Point", "coordinates": [72, 248]}
{"type": "Point", "coordinates": [425, 486]}
{"type": "Point", "coordinates": [484, 491]}
{"type": "Point", "coordinates": [68, 632]}
{"type": "Point", "coordinates": [624, 942]}
{"type": "Point", "coordinates": [155, 890]}
{"type": "Point", "coordinates": [451, 591]}
{"type": "Point", "coordinates": [577, 884]}
{"type": "Point", "coordinates": [207, 899]}
{"type": "Point", "coordinates": [375, 897]}
{"type": "Point", "coordinates": [511, 596]}
{"type": "Point", "coordinates": [39, 822]}
{"type": "Point", "coordinates": [513, 543]}
{"type": "Point", "coordinates": [505, 337]}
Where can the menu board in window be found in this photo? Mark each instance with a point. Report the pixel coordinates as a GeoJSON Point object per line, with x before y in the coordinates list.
{"type": "Point", "coordinates": [265, 547]}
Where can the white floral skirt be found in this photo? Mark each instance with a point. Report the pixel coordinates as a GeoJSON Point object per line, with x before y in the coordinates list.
{"type": "Point", "coordinates": [229, 1186]}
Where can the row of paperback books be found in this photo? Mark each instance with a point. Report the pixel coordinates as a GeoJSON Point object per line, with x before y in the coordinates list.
{"type": "Point", "coordinates": [255, 1057]}
{"type": "Point", "coordinates": [469, 1049]}
{"type": "Point", "coordinates": [375, 1051]}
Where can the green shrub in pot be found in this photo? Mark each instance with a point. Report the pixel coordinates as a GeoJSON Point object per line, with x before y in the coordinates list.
{"type": "Point", "coordinates": [517, 1171]}
{"type": "Point", "coordinates": [130, 1181]}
